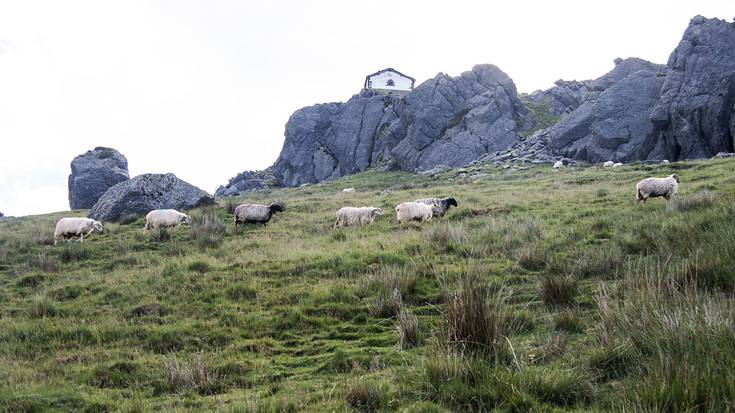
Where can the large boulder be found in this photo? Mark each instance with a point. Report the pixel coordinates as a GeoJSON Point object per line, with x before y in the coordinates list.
{"type": "Point", "coordinates": [615, 126]}
{"type": "Point", "coordinates": [644, 111]}
{"type": "Point", "coordinates": [145, 193]}
{"type": "Point", "coordinates": [446, 120]}
{"type": "Point", "coordinates": [93, 173]}
{"type": "Point", "coordinates": [696, 112]}
{"type": "Point", "coordinates": [248, 181]}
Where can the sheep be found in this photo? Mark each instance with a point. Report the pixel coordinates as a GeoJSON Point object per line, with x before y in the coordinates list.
{"type": "Point", "coordinates": [165, 218]}
{"type": "Point", "coordinates": [73, 227]}
{"type": "Point", "coordinates": [440, 206]}
{"type": "Point", "coordinates": [255, 213]}
{"type": "Point", "coordinates": [354, 216]}
{"type": "Point", "coordinates": [617, 164]}
{"type": "Point", "coordinates": [608, 164]}
{"type": "Point", "coordinates": [348, 190]}
{"type": "Point", "coordinates": [656, 187]}
{"type": "Point", "coordinates": [665, 161]}
{"type": "Point", "coordinates": [415, 211]}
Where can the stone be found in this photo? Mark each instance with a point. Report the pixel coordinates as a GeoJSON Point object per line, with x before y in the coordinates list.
{"type": "Point", "coordinates": [147, 192]}
{"type": "Point", "coordinates": [93, 173]}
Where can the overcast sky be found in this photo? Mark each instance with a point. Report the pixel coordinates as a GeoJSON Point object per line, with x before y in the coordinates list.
{"type": "Point", "coordinates": [203, 89]}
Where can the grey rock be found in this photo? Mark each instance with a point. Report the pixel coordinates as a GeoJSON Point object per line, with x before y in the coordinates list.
{"type": "Point", "coordinates": [719, 155]}
{"type": "Point", "coordinates": [145, 193]}
{"type": "Point", "coordinates": [696, 112]}
{"type": "Point", "coordinates": [93, 173]}
{"type": "Point", "coordinates": [248, 181]}
{"type": "Point", "coordinates": [615, 126]}
{"type": "Point", "coordinates": [445, 120]}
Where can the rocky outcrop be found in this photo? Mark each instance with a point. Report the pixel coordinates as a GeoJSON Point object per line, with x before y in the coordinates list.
{"type": "Point", "coordinates": [446, 120]}
{"type": "Point", "coordinates": [644, 111]}
{"type": "Point", "coordinates": [248, 181]}
{"type": "Point", "coordinates": [696, 112]}
{"type": "Point", "coordinates": [93, 173]}
{"type": "Point", "coordinates": [147, 192]}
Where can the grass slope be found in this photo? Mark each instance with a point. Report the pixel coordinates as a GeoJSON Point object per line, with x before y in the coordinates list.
{"type": "Point", "coordinates": [543, 291]}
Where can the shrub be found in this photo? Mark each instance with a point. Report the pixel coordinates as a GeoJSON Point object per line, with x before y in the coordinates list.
{"type": "Point", "coordinates": [569, 321]}
{"type": "Point", "coordinates": [193, 375]}
{"type": "Point", "coordinates": [44, 262]}
{"type": "Point", "coordinates": [693, 202]}
{"type": "Point", "coordinates": [558, 290]}
{"type": "Point", "coordinates": [42, 307]}
{"type": "Point", "coordinates": [387, 304]}
{"type": "Point", "coordinates": [72, 252]}
{"type": "Point", "coordinates": [128, 219]}
{"type": "Point", "coordinates": [447, 237]}
{"type": "Point", "coordinates": [208, 230]}
{"type": "Point", "coordinates": [160, 235]}
{"type": "Point", "coordinates": [367, 396]}
{"type": "Point", "coordinates": [407, 327]}
{"type": "Point", "coordinates": [476, 319]}
{"type": "Point", "coordinates": [199, 266]}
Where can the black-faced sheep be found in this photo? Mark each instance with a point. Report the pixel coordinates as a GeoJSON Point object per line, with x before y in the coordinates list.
{"type": "Point", "coordinates": [255, 213]}
{"type": "Point", "coordinates": [68, 228]}
{"type": "Point", "coordinates": [415, 211]}
{"type": "Point", "coordinates": [656, 187]}
{"type": "Point", "coordinates": [162, 218]}
{"type": "Point", "coordinates": [354, 216]}
{"type": "Point", "coordinates": [440, 206]}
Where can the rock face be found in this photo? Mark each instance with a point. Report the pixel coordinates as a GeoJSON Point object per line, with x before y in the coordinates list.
{"type": "Point", "coordinates": [696, 112]}
{"type": "Point", "coordinates": [145, 193]}
{"type": "Point", "coordinates": [683, 110]}
{"type": "Point", "coordinates": [248, 181]}
{"type": "Point", "coordinates": [446, 120]}
{"type": "Point", "coordinates": [93, 173]}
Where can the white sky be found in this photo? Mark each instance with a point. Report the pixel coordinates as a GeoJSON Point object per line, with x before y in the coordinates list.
{"type": "Point", "coordinates": [203, 89]}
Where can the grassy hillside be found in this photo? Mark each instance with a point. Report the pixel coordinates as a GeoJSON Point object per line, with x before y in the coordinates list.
{"type": "Point", "coordinates": [543, 291]}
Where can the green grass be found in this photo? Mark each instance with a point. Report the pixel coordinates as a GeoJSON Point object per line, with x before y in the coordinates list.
{"type": "Point", "coordinates": [544, 291]}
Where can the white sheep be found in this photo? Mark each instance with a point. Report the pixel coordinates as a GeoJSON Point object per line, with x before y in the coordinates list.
{"type": "Point", "coordinates": [162, 218]}
{"type": "Point", "coordinates": [608, 164]}
{"type": "Point", "coordinates": [665, 161]}
{"type": "Point", "coordinates": [255, 213]}
{"type": "Point", "coordinates": [76, 227]}
{"type": "Point", "coordinates": [558, 165]}
{"type": "Point", "coordinates": [617, 164]}
{"type": "Point", "coordinates": [414, 211]}
{"type": "Point", "coordinates": [656, 187]}
{"type": "Point", "coordinates": [348, 190]}
{"type": "Point", "coordinates": [354, 216]}
{"type": "Point", "coordinates": [439, 206]}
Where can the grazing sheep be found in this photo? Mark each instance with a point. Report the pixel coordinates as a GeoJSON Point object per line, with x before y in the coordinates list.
{"type": "Point", "coordinates": [665, 161]}
{"type": "Point", "coordinates": [76, 227]}
{"type": "Point", "coordinates": [617, 164]}
{"type": "Point", "coordinates": [354, 216]}
{"type": "Point", "coordinates": [415, 211]}
{"type": "Point", "coordinates": [348, 190]}
{"type": "Point", "coordinates": [165, 218]}
{"type": "Point", "coordinates": [255, 213]}
{"type": "Point", "coordinates": [558, 165]}
{"type": "Point", "coordinates": [656, 187]}
{"type": "Point", "coordinates": [608, 164]}
{"type": "Point", "coordinates": [440, 206]}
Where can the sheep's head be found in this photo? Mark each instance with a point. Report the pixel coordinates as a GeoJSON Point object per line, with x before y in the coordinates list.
{"type": "Point", "coordinates": [276, 208]}
{"type": "Point", "coordinates": [186, 219]}
{"type": "Point", "coordinates": [378, 212]}
{"type": "Point", "coordinates": [676, 177]}
{"type": "Point", "coordinates": [451, 202]}
{"type": "Point", "coordinates": [97, 227]}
